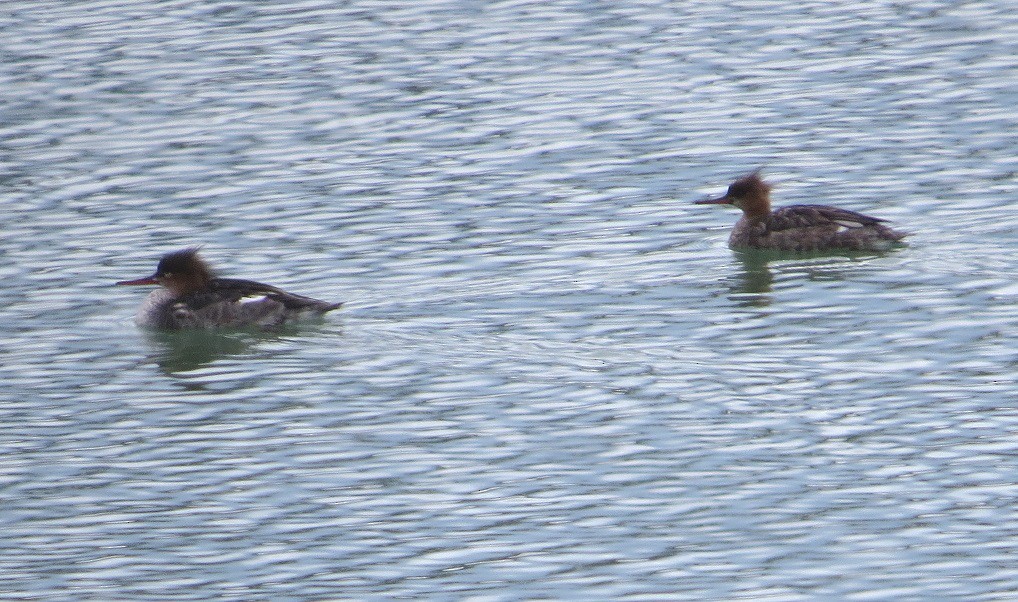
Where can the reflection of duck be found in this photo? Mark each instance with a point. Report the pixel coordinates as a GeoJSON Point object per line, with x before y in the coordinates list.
{"type": "Point", "coordinates": [752, 287]}
{"type": "Point", "coordinates": [186, 350]}
{"type": "Point", "coordinates": [192, 297]}
{"type": "Point", "coordinates": [799, 227]}
{"type": "Point", "coordinates": [753, 284]}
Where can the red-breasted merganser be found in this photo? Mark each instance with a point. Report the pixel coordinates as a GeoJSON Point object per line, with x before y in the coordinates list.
{"type": "Point", "coordinates": [192, 297]}
{"type": "Point", "coordinates": [799, 227]}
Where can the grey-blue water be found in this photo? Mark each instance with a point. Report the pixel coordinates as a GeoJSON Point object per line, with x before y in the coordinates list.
{"type": "Point", "coordinates": [551, 379]}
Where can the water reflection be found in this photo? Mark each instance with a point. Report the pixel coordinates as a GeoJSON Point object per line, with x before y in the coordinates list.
{"type": "Point", "coordinates": [176, 351]}
{"type": "Point", "coordinates": [752, 285]}
{"type": "Point", "coordinates": [186, 350]}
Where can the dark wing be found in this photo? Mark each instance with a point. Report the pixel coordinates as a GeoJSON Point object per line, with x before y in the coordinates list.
{"type": "Point", "coordinates": [235, 289]}
{"type": "Point", "coordinates": [813, 216]}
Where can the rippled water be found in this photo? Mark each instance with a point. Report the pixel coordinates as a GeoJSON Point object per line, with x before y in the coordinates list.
{"type": "Point", "coordinates": [551, 379]}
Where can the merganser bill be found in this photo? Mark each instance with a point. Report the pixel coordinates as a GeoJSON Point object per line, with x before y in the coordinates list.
{"type": "Point", "coordinates": [799, 228]}
{"type": "Point", "coordinates": [193, 297]}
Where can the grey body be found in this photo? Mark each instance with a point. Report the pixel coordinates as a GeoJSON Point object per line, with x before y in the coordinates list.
{"type": "Point", "coordinates": [228, 303]}
{"type": "Point", "coordinates": [813, 228]}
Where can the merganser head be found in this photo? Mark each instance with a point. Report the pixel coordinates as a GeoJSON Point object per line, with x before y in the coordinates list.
{"type": "Point", "coordinates": [182, 272]}
{"type": "Point", "coordinates": [749, 193]}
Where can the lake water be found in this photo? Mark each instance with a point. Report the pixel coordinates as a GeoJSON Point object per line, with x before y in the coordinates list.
{"type": "Point", "coordinates": [551, 378]}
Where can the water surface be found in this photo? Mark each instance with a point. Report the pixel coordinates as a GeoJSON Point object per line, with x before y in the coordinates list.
{"type": "Point", "coordinates": [551, 378]}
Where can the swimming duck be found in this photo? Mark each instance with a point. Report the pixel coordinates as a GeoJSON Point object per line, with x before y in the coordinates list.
{"type": "Point", "coordinates": [191, 296]}
{"type": "Point", "coordinates": [799, 228]}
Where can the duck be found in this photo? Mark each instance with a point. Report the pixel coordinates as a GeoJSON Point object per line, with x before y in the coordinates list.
{"type": "Point", "coordinates": [799, 228]}
{"type": "Point", "coordinates": [191, 296]}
